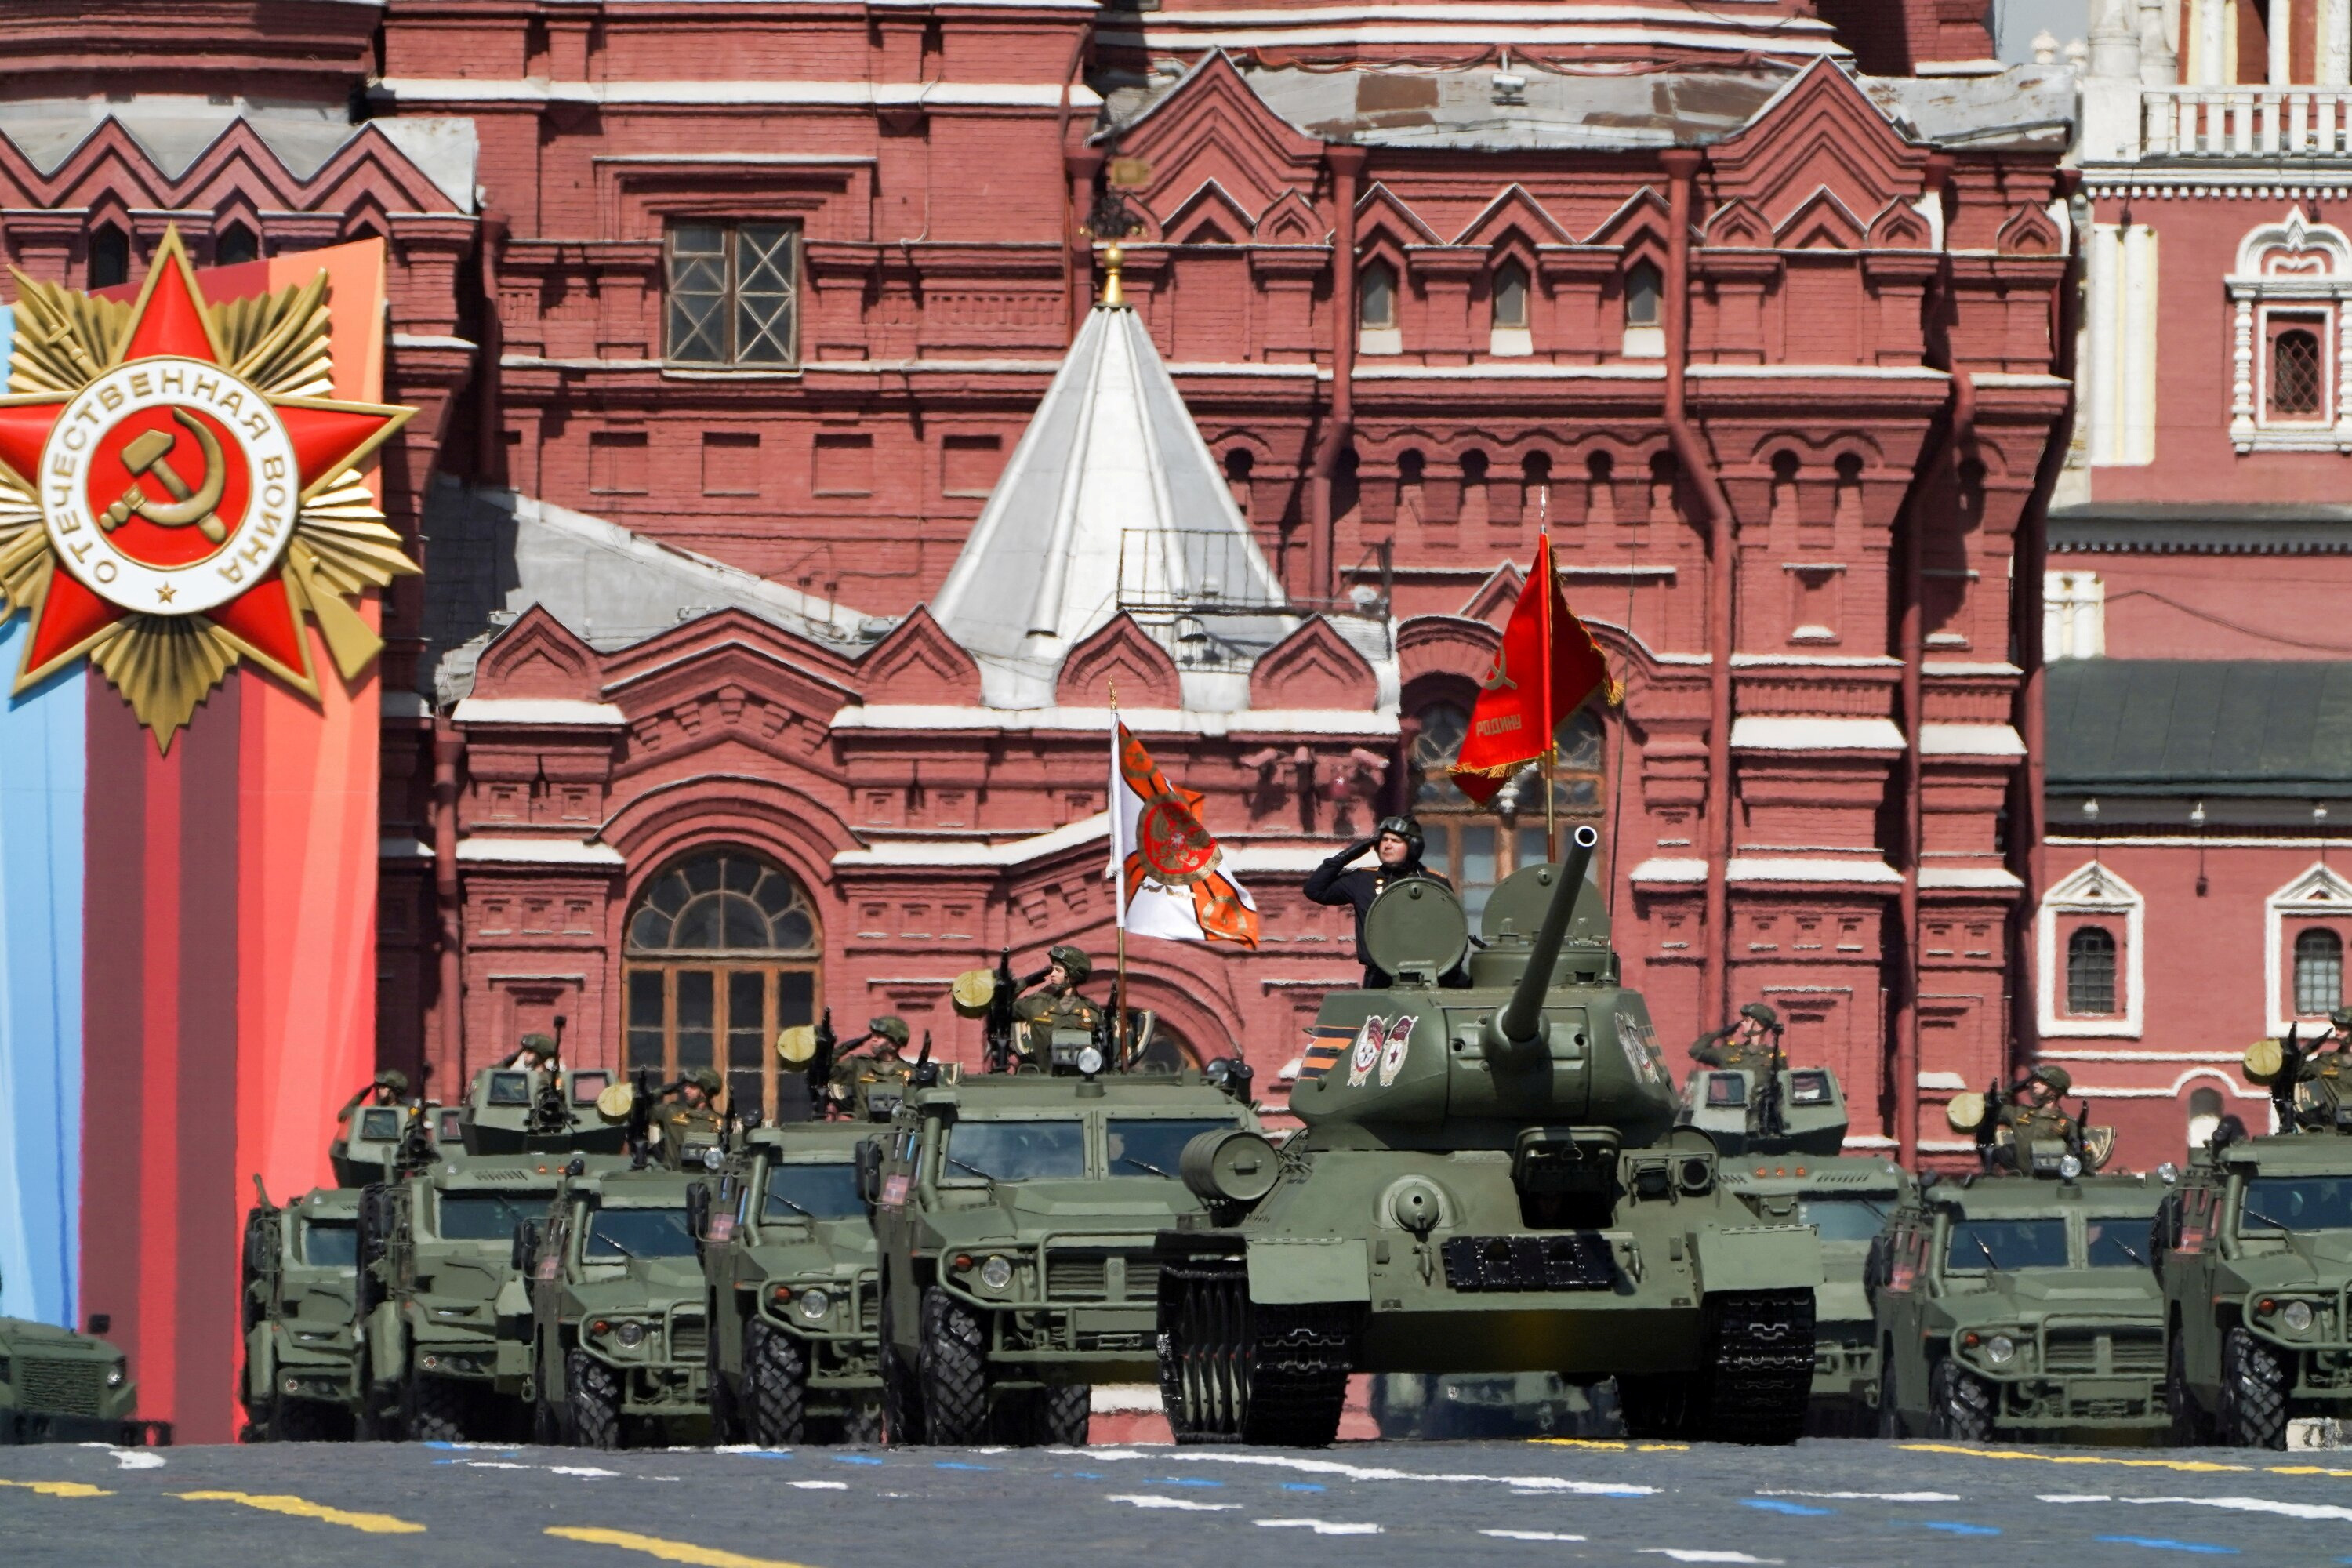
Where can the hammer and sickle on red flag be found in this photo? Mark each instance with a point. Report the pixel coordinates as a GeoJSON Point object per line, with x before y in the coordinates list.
{"type": "Point", "coordinates": [1498, 677]}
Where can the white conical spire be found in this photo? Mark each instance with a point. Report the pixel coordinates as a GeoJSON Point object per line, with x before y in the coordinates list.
{"type": "Point", "coordinates": [1111, 501]}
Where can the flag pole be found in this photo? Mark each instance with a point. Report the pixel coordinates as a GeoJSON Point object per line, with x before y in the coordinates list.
{"type": "Point", "coordinates": [1117, 895]}
{"type": "Point", "coordinates": [1543, 622]}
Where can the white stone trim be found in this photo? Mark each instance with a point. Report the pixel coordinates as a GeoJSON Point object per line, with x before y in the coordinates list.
{"type": "Point", "coordinates": [536, 710]}
{"type": "Point", "coordinates": [1767, 734]}
{"type": "Point", "coordinates": [1662, 870]}
{"type": "Point", "coordinates": [916, 718]}
{"type": "Point", "coordinates": [1991, 878]}
{"type": "Point", "coordinates": [2119, 386]}
{"type": "Point", "coordinates": [2318, 892]}
{"type": "Point", "coordinates": [2090, 889]}
{"type": "Point", "coordinates": [723, 93]}
{"type": "Point", "coordinates": [1970, 741]}
{"type": "Point", "coordinates": [1809, 868]}
{"type": "Point", "coordinates": [897, 854]}
{"type": "Point", "coordinates": [539, 852]}
{"type": "Point", "coordinates": [2255, 294]}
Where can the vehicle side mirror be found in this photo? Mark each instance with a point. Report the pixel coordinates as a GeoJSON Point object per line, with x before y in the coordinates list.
{"type": "Point", "coordinates": [102, 1323]}
{"type": "Point", "coordinates": [870, 1171]}
{"type": "Point", "coordinates": [526, 1243]}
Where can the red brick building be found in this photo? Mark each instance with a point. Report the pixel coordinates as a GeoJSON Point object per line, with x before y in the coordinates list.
{"type": "Point", "coordinates": [728, 321]}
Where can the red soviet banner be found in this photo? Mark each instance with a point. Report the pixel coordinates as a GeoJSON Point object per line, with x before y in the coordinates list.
{"type": "Point", "coordinates": [1548, 667]}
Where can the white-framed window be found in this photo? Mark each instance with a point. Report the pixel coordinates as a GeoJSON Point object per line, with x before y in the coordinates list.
{"type": "Point", "coordinates": [1377, 331]}
{"type": "Point", "coordinates": [2074, 615]}
{"type": "Point", "coordinates": [1509, 333]}
{"type": "Point", "coordinates": [2289, 391]}
{"type": "Point", "coordinates": [1645, 311]}
{"type": "Point", "coordinates": [2088, 942]}
{"type": "Point", "coordinates": [2305, 927]}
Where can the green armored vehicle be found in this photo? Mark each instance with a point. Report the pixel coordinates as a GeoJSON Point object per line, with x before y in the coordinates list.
{"type": "Point", "coordinates": [617, 1323]}
{"type": "Point", "coordinates": [792, 1279]}
{"type": "Point", "coordinates": [1490, 1180]}
{"type": "Point", "coordinates": [1016, 1214]}
{"type": "Point", "coordinates": [59, 1386]}
{"type": "Point", "coordinates": [440, 1307]}
{"type": "Point", "coordinates": [2021, 1306]}
{"type": "Point", "coordinates": [1781, 1131]}
{"type": "Point", "coordinates": [2254, 1260]}
{"type": "Point", "coordinates": [1457, 1407]}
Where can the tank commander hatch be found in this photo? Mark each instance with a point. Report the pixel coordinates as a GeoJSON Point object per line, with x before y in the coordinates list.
{"type": "Point", "coordinates": [1396, 846]}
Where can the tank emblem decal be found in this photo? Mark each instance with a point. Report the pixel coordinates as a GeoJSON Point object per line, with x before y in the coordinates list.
{"type": "Point", "coordinates": [1367, 1054]}
{"type": "Point", "coordinates": [1639, 1044]}
{"type": "Point", "coordinates": [1392, 1053]}
{"type": "Point", "coordinates": [1328, 1042]}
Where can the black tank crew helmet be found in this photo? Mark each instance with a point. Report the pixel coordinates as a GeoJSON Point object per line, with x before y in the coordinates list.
{"type": "Point", "coordinates": [1405, 827]}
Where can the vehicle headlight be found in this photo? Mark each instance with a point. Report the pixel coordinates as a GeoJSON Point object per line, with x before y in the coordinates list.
{"type": "Point", "coordinates": [2069, 1166]}
{"type": "Point", "coordinates": [1091, 1060]}
{"type": "Point", "coordinates": [630, 1335]}
{"type": "Point", "coordinates": [996, 1273]}
{"type": "Point", "coordinates": [2297, 1316]}
{"type": "Point", "coordinates": [116, 1376]}
{"type": "Point", "coordinates": [2000, 1350]}
{"type": "Point", "coordinates": [815, 1304]}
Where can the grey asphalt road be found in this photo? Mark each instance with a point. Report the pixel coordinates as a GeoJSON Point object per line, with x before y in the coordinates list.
{"type": "Point", "coordinates": [1819, 1503]}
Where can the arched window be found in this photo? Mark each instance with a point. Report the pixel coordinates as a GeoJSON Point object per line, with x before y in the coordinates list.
{"type": "Point", "coordinates": [1510, 297]}
{"type": "Point", "coordinates": [1476, 848]}
{"type": "Point", "coordinates": [1376, 292]}
{"type": "Point", "coordinates": [1645, 293]}
{"type": "Point", "coordinates": [236, 246]}
{"type": "Point", "coordinates": [2318, 973]}
{"type": "Point", "coordinates": [722, 952]}
{"type": "Point", "coordinates": [2204, 1115]}
{"type": "Point", "coordinates": [2091, 972]}
{"type": "Point", "coordinates": [110, 257]}
{"type": "Point", "coordinates": [2295, 373]}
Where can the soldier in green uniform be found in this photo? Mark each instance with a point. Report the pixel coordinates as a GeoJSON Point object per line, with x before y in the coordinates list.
{"type": "Point", "coordinates": [1056, 1005]}
{"type": "Point", "coordinates": [691, 1115]}
{"type": "Point", "coordinates": [855, 1079]}
{"type": "Point", "coordinates": [2033, 1113]}
{"type": "Point", "coordinates": [538, 1054]}
{"type": "Point", "coordinates": [390, 1087]}
{"type": "Point", "coordinates": [1746, 1044]}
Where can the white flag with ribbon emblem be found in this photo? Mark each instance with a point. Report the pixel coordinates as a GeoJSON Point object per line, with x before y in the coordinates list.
{"type": "Point", "coordinates": [1164, 861]}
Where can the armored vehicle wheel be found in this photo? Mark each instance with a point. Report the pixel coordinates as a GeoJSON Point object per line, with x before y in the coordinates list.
{"type": "Point", "coordinates": [2192, 1427]}
{"type": "Point", "coordinates": [591, 1401]}
{"type": "Point", "coordinates": [1756, 1364]}
{"type": "Point", "coordinates": [2254, 1393]}
{"type": "Point", "coordinates": [1036, 1418]}
{"type": "Point", "coordinates": [727, 1426]}
{"type": "Point", "coordinates": [1242, 1372]}
{"type": "Point", "coordinates": [305, 1421]}
{"type": "Point", "coordinates": [861, 1424]}
{"type": "Point", "coordinates": [775, 1386]}
{"type": "Point", "coordinates": [434, 1409]}
{"type": "Point", "coordinates": [1959, 1406]}
{"type": "Point", "coordinates": [953, 1372]}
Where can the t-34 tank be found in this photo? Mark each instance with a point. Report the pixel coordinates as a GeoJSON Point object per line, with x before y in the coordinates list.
{"type": "Point", "coordinates": [1489, 1180]}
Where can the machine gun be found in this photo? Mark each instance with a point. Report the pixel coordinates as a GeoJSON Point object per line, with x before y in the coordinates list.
{"type": "Point", "coordinates": [415, 1152]}
{"type": "Point", "coordinates": [1001, 1022]}
{"type": "Point", "coordinates": [820, 1065]}
{"type": "Point", "coordinates": [549, 1117]}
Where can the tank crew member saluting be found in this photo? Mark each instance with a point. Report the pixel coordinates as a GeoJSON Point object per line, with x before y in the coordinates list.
{"type": "Point", "coordinates": [1057, 1005]}
{"type": "Point", "coordinates": [854, 1078]}
{"type": "Point", "coordinates": [691, 1115]}
{"type": "Point", "coordinates": [390, 1088]}
{"type": "Point", "coordinates": [1396, 844]}
{"type": "Point", "coordinates": [538, 1054]}
{"type": "Point", "coordinates": [2035, 1113]}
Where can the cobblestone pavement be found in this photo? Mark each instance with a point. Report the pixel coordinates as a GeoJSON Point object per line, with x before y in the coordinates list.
{"type": "Point", "coordinates": [1818, 1504]}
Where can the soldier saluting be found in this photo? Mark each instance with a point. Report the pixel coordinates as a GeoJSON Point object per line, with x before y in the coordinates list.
{"type": "Point", "coordinates": [1396, 846]}
{"type": "Point", "coordinates": [1747, 1043]}
{"type": "Point", "coordinates": [1056, 1005]}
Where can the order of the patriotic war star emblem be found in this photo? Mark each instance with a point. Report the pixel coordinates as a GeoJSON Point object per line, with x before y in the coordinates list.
{"type": "Point", "coordinates": [177, 493]}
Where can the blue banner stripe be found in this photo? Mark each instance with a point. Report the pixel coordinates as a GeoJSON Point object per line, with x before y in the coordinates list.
{"type": "Point", "coordinates": [43, 772]}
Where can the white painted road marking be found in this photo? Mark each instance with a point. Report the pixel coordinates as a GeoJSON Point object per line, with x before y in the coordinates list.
{"type": "Point", "coordinates": [1862, 1497]}
{"type": "Point", "coordinates": [1181, 1504]}
{"type": "Point", "coordinates": [2238, 1504]}
{"type": "Point", "coordinates": [1319, 1526]}
{"type": "Point", "coordinates": [1530, 1535]}
{"type": "Point", "coordinates": [1554, 1484]}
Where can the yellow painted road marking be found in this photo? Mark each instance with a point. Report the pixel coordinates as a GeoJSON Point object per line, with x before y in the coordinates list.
{"type": "Point", "coordinates": [1613, 1445]}
{"type": "Point", "coordinates": [303, 1508]}
{"type": "Point", "coordinates": [60, 1488]}
{"type": "Point", "coordinates": [667, 1551]}
{"type": "Point", "coordinates": [2195, 1465]}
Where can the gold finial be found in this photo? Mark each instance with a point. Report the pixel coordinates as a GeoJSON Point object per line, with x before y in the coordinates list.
{"type": "Point", "coordinates": [1113, 294]}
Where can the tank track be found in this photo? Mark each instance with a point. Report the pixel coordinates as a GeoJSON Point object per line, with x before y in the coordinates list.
{"type": "Point", "coordinates": [1234, 1371]}
{"type": "Point", "coordinates": [1759, 1365]}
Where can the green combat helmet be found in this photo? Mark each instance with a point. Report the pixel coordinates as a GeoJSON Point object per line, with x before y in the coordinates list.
{"type": "Point", "coordinates": [2018, 1133]}
{"type": "Point", "coordinates": [1490, 1180]}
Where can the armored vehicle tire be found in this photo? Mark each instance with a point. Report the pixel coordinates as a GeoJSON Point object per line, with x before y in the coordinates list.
{"type": "Point", "coordinates": [1960, 1406]}
{"type": "Point", "coordinates": [591, 1401]}
{"type": "Point", "coordinates": [953, 1372]}
{"type": "Point", "coordinates": [2254, 1393]}
{"type": "Point", "coordinates": [1234, 1371]}
{"type": "Point", "coordinates": [1036, 1418]}
{"type": "Point", "coordinates": [434, 1409]}
{"type": "Point", "coordinates": [2192, 1427]}
{"type": "Point", "coordinates": [305, 1421]}
{"type": "Point", "coordinates": [861, 1424]}
{"type": "Point", "coordinates": [775, 1386]}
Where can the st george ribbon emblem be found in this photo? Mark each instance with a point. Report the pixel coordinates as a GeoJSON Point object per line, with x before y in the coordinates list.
{"type": "Point", "coordinates": [176, 494]}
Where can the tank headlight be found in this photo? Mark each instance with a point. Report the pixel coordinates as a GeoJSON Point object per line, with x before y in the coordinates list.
{"type": "Point", "coordinates": [2000, 1350]}
{"type": "Point", "coordinates": [2069, 1166]}
{"type": "Point", "coordinates": [1694, 1174]}
{"type": "Point", "coordinates": [815, 1304]}
{"type": "Point", "coordinates": [2297, 1316]}
{"type": "Point", "coordinates": [713, 1157]}
{"type": "Point", "coordinates": [996, 1273]}
{"type": "Point", "coordinates": [631, 1335]}
{"type": "Point", "coordinates": [116, 1376]}
{"type": "Point", "coordinates": [2167, 1173]}
{"type": "Point", "coordinates": [1091, 1061]}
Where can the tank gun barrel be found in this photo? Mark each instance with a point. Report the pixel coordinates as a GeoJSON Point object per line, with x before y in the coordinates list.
{"type": "Point", "coordinates": [1520, 1023]}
